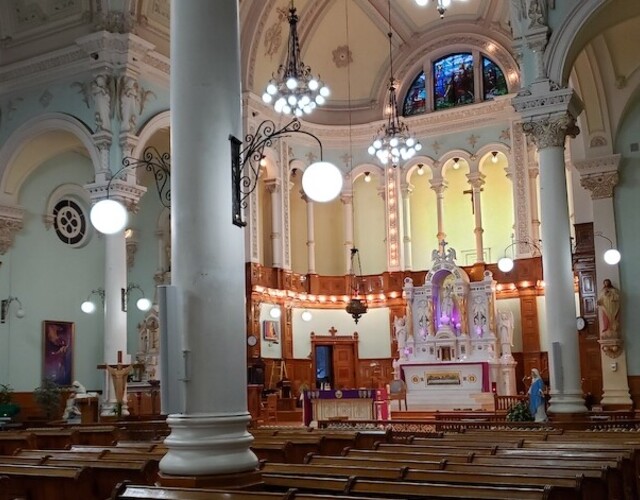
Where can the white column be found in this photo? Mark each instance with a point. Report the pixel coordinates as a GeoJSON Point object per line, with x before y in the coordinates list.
{"type": "Point", "coordinates": [274, 187]}
{"type": "Point", "coordinates": [600, 177]}
{"type": "Point", "coordinates": [311, 238]}
{"type": "Point", "coordinates": [549, 134]}
{"type": "Point", "coordinates": [115, 319]}
{"type": "Point", "coordinates": [406, 226]}
{"type": "Point", "coordinates": [439, 186]}
{"type": "Point", "coordinates": [476, 180]}
{"type": "Point", "coordinates": [210, 436]}
{"type": "Point", "coordinates": [347, 203]}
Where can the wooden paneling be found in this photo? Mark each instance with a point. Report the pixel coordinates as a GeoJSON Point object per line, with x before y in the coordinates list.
{"type": "Point", "coordinates": [529, 321]}
{"type": "Point", "coordinates": [344, 372]}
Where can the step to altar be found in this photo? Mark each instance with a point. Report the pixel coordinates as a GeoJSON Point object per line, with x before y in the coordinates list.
{"type": "Point", "coordinates": [443, 400]}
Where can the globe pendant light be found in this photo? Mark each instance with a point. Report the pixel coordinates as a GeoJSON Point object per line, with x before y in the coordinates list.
{"type": "Point", "coordinates": [293, 89]}
{"type": "Point", "coordinates": [393, 141]}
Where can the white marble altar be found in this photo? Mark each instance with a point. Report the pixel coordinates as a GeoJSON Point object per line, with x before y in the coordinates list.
{"type": "Point", "coordinates": [454, 321]}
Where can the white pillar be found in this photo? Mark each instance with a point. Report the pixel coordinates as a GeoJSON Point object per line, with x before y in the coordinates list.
{"type": "Point", "coordinates": [210, 436]}
{"type": "Point", "coordinates": [439, 186]}
{"type": "Point", "coordinates": [476, 180]}
{"type": "Point", "coordinates": [311, 239]}
{"type": "Point", "coordinates": [274, 187]}
{"type": "Point", "coordinates": [115, 319]}
{"type": "Point", "coordinates": [549, 134]}
{"type": "Point", "coordinates": [406, 226]}
{"type": "Point", "coordinates": [600, 177]}
{"type": "Point", "coordinates": [347, 203]}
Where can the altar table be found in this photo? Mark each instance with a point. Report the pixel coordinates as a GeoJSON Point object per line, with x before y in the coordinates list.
{"type": "Point", "coordinates": [352, 404]}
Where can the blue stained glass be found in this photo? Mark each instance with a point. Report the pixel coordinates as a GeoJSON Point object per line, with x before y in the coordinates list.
{"type": "Point", "coordinates": [493, 81]}
{"type": "Point", "coordinates": [416, 101]}
{"type": "Point", "coordinates": [453, 81]}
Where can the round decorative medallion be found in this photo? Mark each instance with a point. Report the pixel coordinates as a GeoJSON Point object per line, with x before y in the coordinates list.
{"type": "Point", "coordinates": [252, 340]}
{"type": "Point", "coordinates": [70, 222]}
{"type": "Point", "coordinates": [472, 378]}
{"type": "Point", "coordinates": [415, 379]}
{"type": "Point", "coordinates": [338, 394]}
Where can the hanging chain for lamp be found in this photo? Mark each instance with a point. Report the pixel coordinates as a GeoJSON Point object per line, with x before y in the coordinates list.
{"type": "Point", "coordinates": [393, 140]}
{"type": "Point", "coordinates": [293, 88]}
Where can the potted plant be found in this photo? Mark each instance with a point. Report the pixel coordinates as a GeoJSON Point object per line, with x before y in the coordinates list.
{"type": "Point", "coordinates": [7, 407]}
{"type": "Point", "coordinates": [48, 398]}
{"type": "Point", "coordinates": [519, 413]}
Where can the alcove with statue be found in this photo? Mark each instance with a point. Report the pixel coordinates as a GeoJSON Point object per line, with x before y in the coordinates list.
{"type": "Point", "coordinates": [454, 346]}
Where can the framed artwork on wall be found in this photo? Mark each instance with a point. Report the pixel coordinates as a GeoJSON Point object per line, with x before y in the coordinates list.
{"type": "Point", "coordinates": [271, 331]}
{"type": "Point", "coordinates": [57, 348]}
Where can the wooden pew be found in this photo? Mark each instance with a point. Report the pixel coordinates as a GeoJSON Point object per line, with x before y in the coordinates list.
{"type": "Point", "coordinates": [47, 482]}
{"type": "Point", "coordinates": [563, 488]}
{"type": "Point", "coordinates": [96, 435]}
{"type": "Point", "coordinates": [12, 441]}
{"type": "Point", "coordinates": [54, 438]}
{"type": "Point", "coordinates": [137, 492]}
{"type": "Point", "coordinates": [595, 481]}
{"type": "Point", "coordinates": [394, 489]}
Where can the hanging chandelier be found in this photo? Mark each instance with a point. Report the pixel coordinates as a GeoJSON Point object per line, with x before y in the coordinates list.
{"type": "Point", "coordinates": [293, 89]}
{"type": "Point", "coordinates": [441, 5]}
{"type": "Point", "coordinates": [357, 306]}
{"type": "Point", "coordinates": [393, 140]}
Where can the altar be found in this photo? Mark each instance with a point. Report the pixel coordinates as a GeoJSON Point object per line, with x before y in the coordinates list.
{"type": "Point", "coordinates": [454, 346]}
{"type": "Point", "coordinates": [348, 404]}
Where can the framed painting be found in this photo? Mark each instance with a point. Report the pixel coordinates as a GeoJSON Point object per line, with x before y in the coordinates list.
{"type": "Point", "coordinates": [57, 339]}
{"type": "Point", "coordinates": [271, 331]}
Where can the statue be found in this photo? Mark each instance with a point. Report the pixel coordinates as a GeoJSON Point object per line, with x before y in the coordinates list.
{"type": "Point", "coordinates": [119, 374]}
{"type": "Point", "coordinates": [609, 304]}
{"type": "Point", "coordinates": [103, 91]}
{"type": "Point", "coordinates": [71, 410]}
{"type": "Point", "coordinates": [537, 13]}
{"type": "Point", "coordinates": [129, 98]}
{"type": "Point", "coordinates": [446, 300]}
{"type": "Point", "coordinates": [505, 333]}
{"type": "Point", "coordinates": [479, 315]}
{"type": "Point", "coordinates": [536, 397]}
{"type": "Point", "coordinates": [400, 327]}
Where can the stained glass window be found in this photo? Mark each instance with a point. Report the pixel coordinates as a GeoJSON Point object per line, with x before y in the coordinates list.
{"type": "Point", "coordinates": [416, 101]}
{"type": "Point", "coordinates": [453, 81]}
{"type": "Point", "coordinates": [493, 81]}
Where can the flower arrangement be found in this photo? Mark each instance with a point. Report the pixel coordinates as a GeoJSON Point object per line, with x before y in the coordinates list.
{"type": "Point", "coordinates": [519, 413]}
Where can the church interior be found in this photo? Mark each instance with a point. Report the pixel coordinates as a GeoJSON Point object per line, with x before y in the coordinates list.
{"type": "Point", "coordinates": [271, 238]}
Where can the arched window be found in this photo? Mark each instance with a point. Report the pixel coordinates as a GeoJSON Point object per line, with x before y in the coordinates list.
{"type": "Point", "coordinates": [416, 101]}
{"type": "Point", "coordinates": [453, 81]}
{"type": "Point", "coordinates": [493, 81]}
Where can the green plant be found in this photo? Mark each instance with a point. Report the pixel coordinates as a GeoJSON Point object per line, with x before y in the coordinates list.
{"type": "Point", "coordinates": [5, 394]}
{"type": "Point", "coordinates": [519, 413]}
{"type": "Point", "coordinates": [48, 397]}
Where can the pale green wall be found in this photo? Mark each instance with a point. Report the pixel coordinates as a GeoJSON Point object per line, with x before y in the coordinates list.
{"type": "Point", "coordinates": [424, 222]}
{"type": "Point", "coordinates": [52, 280]}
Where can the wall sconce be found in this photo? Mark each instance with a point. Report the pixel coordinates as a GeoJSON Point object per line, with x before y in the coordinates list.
{"type": "Point", "coordinates": [367, 177]}
{"type": "Point", "coordinates": [494, 157]}
{"type": "Point", "coordinates": [306, 315]}
{"type": "Point", "coordinates": [88, 306]}
{"type": "Point", "coordinates": [143, 303]}
{"type": "Point", "coordinates": [110, 216]}
{"type": "Point", "coordinates": [275, 312]}
{"type": "Point", "coordinates": [456, 163]}
{"type": "Point", "coordinates": [321, 181]}
{"type": "Point", "coordinates": [420, 169]}
{"type": "Point", "coordinates": [4, 308]}
{"type": "Point", "coordinates": [505, 264]}
{"type": "Point", "coordinates": [611, 256]}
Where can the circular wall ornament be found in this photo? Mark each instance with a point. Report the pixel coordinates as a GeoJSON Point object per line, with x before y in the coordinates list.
{"type": "Point", "coordinates": [70, 222]}
{"type": "Point", "coordinates": [252, 340]}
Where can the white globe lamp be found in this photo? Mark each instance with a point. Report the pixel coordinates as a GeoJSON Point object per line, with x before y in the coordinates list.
{"type": "Point", "coordinates": [88, 307]}
{"type": "Point", "coordinates": [322, 181]}
{"type": "Point", "coordinates": [144, 304]}
{"type": "Point", "coordinates": [612, 256]}
{"type": "Point", "coordinates": [306, 315]}
{"type": "Point", "coordinates": [505, 264]}
{"type": "Point", "coordinates": [275, 312]}
{"type": "Point", "coordinates": [108, 216]}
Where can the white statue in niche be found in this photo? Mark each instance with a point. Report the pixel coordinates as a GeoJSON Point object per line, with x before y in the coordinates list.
{"type": "Point", "coordinates": [479, 312]}
{"type": "Point", "coordinates": [505, 332]}
{"type": "Point", "coordinates": [400, 327]}
{"type": "Point", "coordinates": [103, 92]}
{"type": "Point", "coordinates": [447, 300]}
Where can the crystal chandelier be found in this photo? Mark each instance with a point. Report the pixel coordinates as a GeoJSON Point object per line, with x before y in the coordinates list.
{"type": "Point", "coordinates": [293, 89]}
{"type": "Point", "coordinates": [441, 5]}
{"type": "Point", "coordinates": [393, 140]}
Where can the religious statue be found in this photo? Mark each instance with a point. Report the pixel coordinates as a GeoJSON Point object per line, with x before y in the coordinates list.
{"type": "Point", "coordinates": [537, 13]}
{"type": "Point", "coordinates": [102, 90]}
{"type": "Point", "coordinates": [609, 304]}
{"type": "Point", "coordinates": [400, 326]}
{"type": "Point", "coordinates": [479, 315]}
{"type": "Point", "coordinates": [505, 332]}
{"type": "Point", "coordinates": [129, 97]}
{"type": "Point", "coordinates": [446, 300]}
{"type": "Point", "coordinates": [537, 397]}
{"type": "Point", "coordinates": [119, 374]}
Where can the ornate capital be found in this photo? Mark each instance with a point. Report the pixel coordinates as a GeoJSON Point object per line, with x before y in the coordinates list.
{"type": "Point", "coordinates": [552, 131]}
{"type": "Point", "coordinates": [600, 185]}
{"type": "Point", "coordinates": [10, 224]}
{"type": "Point", "coordinates": [476, 180]}
{"type": "Point", "coordinates": [346, 199]}
{"type": "Point", "coordinates": [128, 194]}
{"type": "Point", "coordinates": [612, 347]}
{"type": "Point", "coordinates": [272, 185]}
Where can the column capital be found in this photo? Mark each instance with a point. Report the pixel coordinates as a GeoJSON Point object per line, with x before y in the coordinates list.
{"type": "Point", "coordinates": [346, 198]}
{"type": "Point", "coordinates": [11, 218]}
{"type": "Point", "coordinates": [438, 185]}
{"type": "Point", "coordinates": [476, 179]}
{"type": "Point", "coordinates": [273, 185]}
{"type": "Point", "coordinates": [600, 185]}
{"type": "Point", "coordinates": [406, 190]}
{"type": "Point", "coordinates": [128, 194]}
{"type": "Point", "coordinates": [600, 165]}
{"type": "Point", "coordinates": [551, 131]}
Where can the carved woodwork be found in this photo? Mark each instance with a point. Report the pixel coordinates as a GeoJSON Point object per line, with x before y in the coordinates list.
{"type": "Point", "coordinates": [345, 357]}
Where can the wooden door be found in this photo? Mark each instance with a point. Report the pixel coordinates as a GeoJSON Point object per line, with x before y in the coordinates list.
{"type": "Point", "coordinates": [344, 369]}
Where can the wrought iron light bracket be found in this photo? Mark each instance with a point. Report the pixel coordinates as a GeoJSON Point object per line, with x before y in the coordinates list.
{"type": "Point", "coordinates": [245, 162]}
{"type": "Point", "coordinates": [159, 164]}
